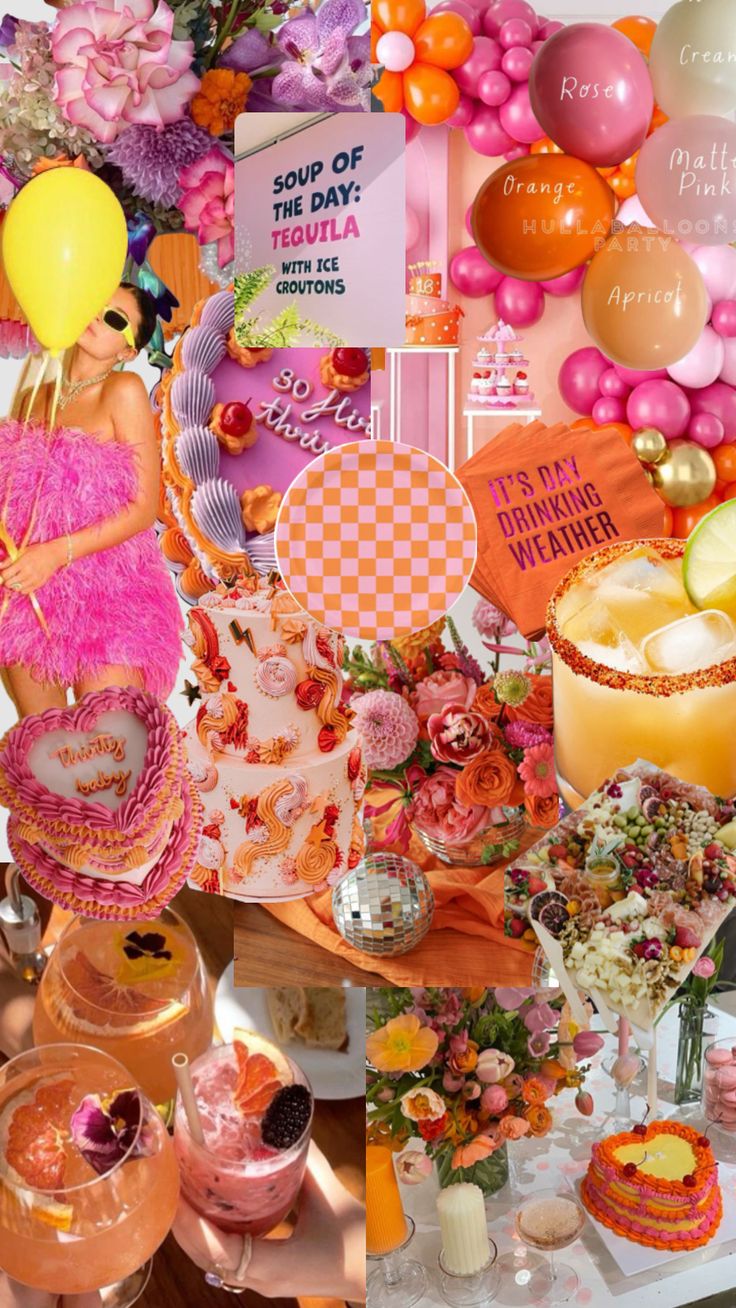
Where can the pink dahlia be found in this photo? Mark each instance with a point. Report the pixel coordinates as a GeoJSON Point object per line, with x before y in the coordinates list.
{"type": "Point", "coordinates": [537, 771]}
{"type": "Point", "coordinates": [388, 728]}
{"type": "Point", "coordinates": [117, 63]}
{"type": "Point", "coordinates": [207, 202]}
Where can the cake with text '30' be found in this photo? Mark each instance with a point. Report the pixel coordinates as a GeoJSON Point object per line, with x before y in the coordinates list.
{"type": "Point", "coordinates": [104, 816]}
{"type": "Point", "coordinates": [656, 1185]}
{"type": "Point", "coordinates": [272, 751]}
{"type": "Point", "coordinates": [430, 320]}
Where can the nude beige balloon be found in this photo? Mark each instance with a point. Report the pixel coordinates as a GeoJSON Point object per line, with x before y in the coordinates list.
{"type": "Point", "coordinates": [693, 58]}
{"type": "Point", "coordinates": [644, 299]}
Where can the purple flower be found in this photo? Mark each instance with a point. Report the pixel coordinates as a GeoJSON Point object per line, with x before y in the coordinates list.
{"type": "Point", "coordinates": [325, 66]}
{"type": "Point", "coordinates": [249, 53]}
{"type": "Point", "coordinates": [104, 1130]}
{"type": "Point", "coordinates": [8, 28]}
{"type": "Point", "coordinates": [151, 158]}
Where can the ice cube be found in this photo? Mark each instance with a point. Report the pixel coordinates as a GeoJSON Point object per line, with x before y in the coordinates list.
{"type": "Point", "coordinates": [697, 641]}
{"type": "Point", "coordinates": [642, 571]}
{"type": "Point", "coordinates": [623, 657]}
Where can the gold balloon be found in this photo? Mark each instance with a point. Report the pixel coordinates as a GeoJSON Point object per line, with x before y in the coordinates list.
{"type": "Point", "coordinates": [686, 476]}
{"type": "Point", "coordinates": [649, 445]}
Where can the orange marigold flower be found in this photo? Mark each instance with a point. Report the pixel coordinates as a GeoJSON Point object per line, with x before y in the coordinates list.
{"type": "Point", "coordinates": [539, 1119]}
{"type": "Point", "coordinates": [534, 1091]}
{"type": "Point", "coordinates": [222, 95]}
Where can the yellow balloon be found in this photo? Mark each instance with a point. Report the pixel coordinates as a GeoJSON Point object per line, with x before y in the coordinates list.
{"type": "Point", "coordinates": [64, 244]}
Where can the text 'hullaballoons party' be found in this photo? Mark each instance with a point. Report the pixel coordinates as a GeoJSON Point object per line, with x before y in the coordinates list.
{"type": "Point", "coordinates": [644, 299]}
{"type": "Point", "coordinates": [541, 216]}
{"type": "Point", "coordinates": [693, 58]}
{"type": "Point", "coordinates": [64, 244]}
{"type": "Point", "coordinates": [590, 89]}
{"type": "Point", "coordinates": [686, 179]}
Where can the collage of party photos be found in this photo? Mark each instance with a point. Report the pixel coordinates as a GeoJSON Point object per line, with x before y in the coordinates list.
{"type": "Point", "coordinates": [368, 653]}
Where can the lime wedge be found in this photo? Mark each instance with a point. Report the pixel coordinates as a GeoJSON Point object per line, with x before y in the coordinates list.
{"type": "Point", "coordinates": [709, 564]}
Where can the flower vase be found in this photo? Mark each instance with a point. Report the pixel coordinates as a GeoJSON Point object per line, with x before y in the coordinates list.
{"type": "Point", "coordinates": [490, 1174]}
{"type": "Point", "coordinates": [494, 843]}
{"type": "Point", "coordinates": [697, 1030]}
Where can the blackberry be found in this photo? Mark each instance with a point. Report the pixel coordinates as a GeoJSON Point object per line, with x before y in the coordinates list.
{"type": "Point", "coordinates": [286, 1117]}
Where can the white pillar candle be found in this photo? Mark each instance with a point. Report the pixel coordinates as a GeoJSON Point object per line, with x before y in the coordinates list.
{"type": "Point", "coordinates": [465, 1244]}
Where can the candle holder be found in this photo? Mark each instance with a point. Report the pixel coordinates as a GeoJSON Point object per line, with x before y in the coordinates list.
{"type": "Point", "coordinates": [475, 1288]}
{"type": "Point", "coordinates": [622, 1113]}
{"type": "Point", "coordinates": [398, 1282]}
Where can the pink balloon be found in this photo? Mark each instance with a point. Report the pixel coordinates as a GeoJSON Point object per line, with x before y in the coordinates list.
{"type": "Point", "coordinates": [501, 11]}
{"type": "Point", "coordinates": [717, 264]}
{"type": "Point", "coordinates": [608, 409]}
{"type": "Point", "coordinates": [567, 284]}
{"type": "Point", "coordinates": [706, 430]}
{"type": "Point", "coordinates": [517, 63]}
{"type": "Point", "coordinates": [728, 371]}
{"type": "Point", "coordinates": [659, 404]}
{"type": "Point", "coordinates": [515, 31]}
{"type": "Point", "coordinates": [395, 50]}
{"type": "Point", "coordinates": [412, 227]}
{"type": "Point", "coordinates": [686, 197]}
{"type": "Point", "coordinates": [469, 220]}
{"type": "Point", "coordinates": [719, 399]}
{"type": "Point", "coordinates": [465, 10]}
{"type": "Point", "coordinates": [494, 87]}
{"type": "Point", "coordinates": [548, 29]}
{"type": "Point", "coordinates": [518, 152]}
{"type": "Point", "coordinates": [579, 378]}
{"type": "Point", "coordinates": [517, 117]}
{"type": "Point", "coordinates": [484, 55]}
{"type": "Point", "coordinates": [702, 365]}
{"type": "Point", "coordinates": [614, 386]}
{"type": "Point", "coordinates": [633, 211]}
{"type": "Point", "coordinates": [635, 377]}
{"type": "Point", "coordinates": [591, 91]}
{"type": "Point", "coordinates": [486, 135]}
{"type": "Point", "coordinates": [471, 275]}
{"type": "Point", "coordinates": [519, 303]}
{"type": "Point", "coordinates": [412, 126]}
{"type": "Point", "coordinates": [723, 319]}
{"type": "Point", "coordinates": [465, 112]}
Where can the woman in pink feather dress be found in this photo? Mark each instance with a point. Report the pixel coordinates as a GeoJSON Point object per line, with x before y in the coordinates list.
{"type": "Point", "coordinates": [89, 492]}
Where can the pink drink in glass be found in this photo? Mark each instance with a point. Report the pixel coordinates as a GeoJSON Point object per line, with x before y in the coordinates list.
{"type": "Point", "coordinates": [234, 1179]}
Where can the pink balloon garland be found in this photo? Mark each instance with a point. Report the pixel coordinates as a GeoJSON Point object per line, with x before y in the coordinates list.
{"type": "Point", "coordinates": [519, 303]}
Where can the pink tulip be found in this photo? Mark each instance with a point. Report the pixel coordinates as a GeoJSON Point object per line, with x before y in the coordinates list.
{"type": "Point", "coordinates": [584, 1103]}
{"type": "Point", "coordinates": [586, 1044]}
{"type": "Point", "coordinates": [493, 1066]}
{"type": "Point", "coordinates": [625, 1068]}
{"type": "Point", "coordinates": [413, 1167]}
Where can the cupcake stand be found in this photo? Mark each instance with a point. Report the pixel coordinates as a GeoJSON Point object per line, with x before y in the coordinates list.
{"type": "Point", "coordinates": [612, 1271]}
{"type": "Point", "coordinates": [492, 392]}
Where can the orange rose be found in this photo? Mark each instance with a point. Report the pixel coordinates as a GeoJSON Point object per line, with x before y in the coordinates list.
{"type": "Point", "coordinates": [485, 702]}
{"type": "Point", "coordinates": [537, 706]}
{"type": "Point", "coordinates": [539, 1119]}
{"type": "Point", "coordinates": [512, 1127]}
{"type": "Point", "coordinates": [534, 1091]}
{"type": "Point", "coordinates": [542, 811]}
{"type": "Point", "coordinates": [489, 779]}
{"type": "Point", "coordinates": [465, 1062]}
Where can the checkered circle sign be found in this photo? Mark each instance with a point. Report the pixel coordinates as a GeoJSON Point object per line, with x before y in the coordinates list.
{"type": "Point", "coordinates": [376, 539]}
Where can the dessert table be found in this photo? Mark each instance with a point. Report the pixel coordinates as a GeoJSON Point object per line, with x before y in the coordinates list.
{"type": "Point", "coordinates": [561, 1158]}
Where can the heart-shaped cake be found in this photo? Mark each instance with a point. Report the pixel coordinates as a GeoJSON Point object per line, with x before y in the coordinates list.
{"type": "Point", "coordinates": [100, 797]}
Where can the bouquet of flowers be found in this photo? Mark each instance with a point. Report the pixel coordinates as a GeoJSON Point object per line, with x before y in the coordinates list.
{"type": "Point", "coordinates": [146, 93]}
{"type": "Point", "coordinates": [469, 1070]}
{"type": "Point", "coordinates": [458, 751]}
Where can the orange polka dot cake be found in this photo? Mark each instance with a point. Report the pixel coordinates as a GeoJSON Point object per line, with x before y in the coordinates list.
{"type": "Point", "coordinates": [656, 1185]}
{"type": "Point", "coordinates": [430, 319]}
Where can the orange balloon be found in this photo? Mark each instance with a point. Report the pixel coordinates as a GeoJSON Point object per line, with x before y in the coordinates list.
{"type": "Point", "coordinates": [628, 167]}
{"type": "Point", "coordinates": [729, 493]}
{"type": "Point", "coordinates": [398, 15]}
{"type": "Point", "coordinates": [376, 35]}
{"type": "Point", "coordinates": [724, 457]}
{"type": "Point", "coordinates": [430, 94]}
{"type": "Point", "coordinates": [639, 30]}
{"type": "Point", "coordinates": [623, 187]}
{"type": "Point", "coordinates": [659, 118]}
{"type": "Point", "coordinates": [389, 89]}
{"type": "Point", "coordinates": [542, 215]}
{"type": "Point", "coordinates": [667, 520]}
{"type": "Point", "coordinates": [684, 520]}
{"type": "Point", "coordinates": [622, 429]}
{"type": "Point", "coordinates": [545, 146]}
{"type": "Point", "coordinates": [444, 40]}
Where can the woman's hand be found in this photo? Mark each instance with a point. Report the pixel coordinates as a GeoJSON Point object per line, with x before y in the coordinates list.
{"type": "Point", "coordinates": [13, 1295]}
{"type": "Point", "coordinates": [324, 1256]}
{"type": "Point", "coordinates": [33, 567]}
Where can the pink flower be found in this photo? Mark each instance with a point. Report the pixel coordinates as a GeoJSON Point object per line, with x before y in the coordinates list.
{"type": "Point", "coordinates": [117, 63]}
{"type": "Point", "coordinates": [494, 1099]}
{"type": "Point", "coordinates": [388, 728]}
{"type": "Point", "coordinates": [490, 622]}
{"type": "Point", "coordinates": [442, 689]}
{"type": "Point", "coordinates": [494, 1065]}
{"type": "Point", "coordinates": [458, 735]}
{"type": "Point", "coordinates": [207, 202]}
{"type": "Point", "coordinates": [437, 812]}
{"type": "Point", "coordinates": [586, 1044]}
{"type": "Point", "coordinates": [513, 1128]}
{"type": "Point", "coordinates": [451, 1083]}
{"type": "Point", "coordinates": [537, 771]}
{"type": "Point", "coordinates": [513, 1085]}
{"type": "Point", "coordinates": [539, 1017]}
{"type": "Point", "coordinates": [468, 1154]}
{"type": "Point", "coordinates": [538, 1044]}
{"type": "Point", "coordinates": [704, 967]}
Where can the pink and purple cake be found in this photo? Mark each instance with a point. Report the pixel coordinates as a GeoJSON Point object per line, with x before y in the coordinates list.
{"type": "Point", "coordinates": [104, 816]}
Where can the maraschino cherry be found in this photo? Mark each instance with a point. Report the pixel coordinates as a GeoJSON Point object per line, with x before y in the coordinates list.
{"type": "Point", "coordinates": [235, 419]}
{"type": "Point", "coordinates": [351, 363]}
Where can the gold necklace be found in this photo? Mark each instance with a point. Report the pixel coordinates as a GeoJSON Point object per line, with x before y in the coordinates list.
{"type": "Point", "coordinates": [73, 389]}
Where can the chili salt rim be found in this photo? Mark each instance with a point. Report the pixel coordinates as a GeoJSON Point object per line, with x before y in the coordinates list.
{"type": "Point", "coordinates": [658, 685]}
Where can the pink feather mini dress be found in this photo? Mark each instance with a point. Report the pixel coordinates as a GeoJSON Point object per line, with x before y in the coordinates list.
{"type": "Point", "coordinates": [115, 607]}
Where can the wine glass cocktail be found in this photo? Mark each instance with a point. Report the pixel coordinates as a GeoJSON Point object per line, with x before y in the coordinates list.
{"type": "Point", "coordinates": [550, 1220]}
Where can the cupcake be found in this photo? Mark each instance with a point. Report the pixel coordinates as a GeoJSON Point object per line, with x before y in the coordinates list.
{"type": "Point", "coordinates": [476, 382]}
{"type": "Point", "coordinates": [344, 369]}
{"type": "Point", "coordinates": [503, 388]}
{"type": "Point", "coordinates": [521, 384]}
{"type": "Point", "coordinates": [484, 355]}
{"type": "Point", "coordinates": [515, 355]}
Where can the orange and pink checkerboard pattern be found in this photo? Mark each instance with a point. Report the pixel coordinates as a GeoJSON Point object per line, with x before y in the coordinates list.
{"type": "Point", "coordinates": [376, 539]}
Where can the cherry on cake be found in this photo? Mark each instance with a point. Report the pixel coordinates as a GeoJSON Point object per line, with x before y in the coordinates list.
{"type": "Point", "coordinates": [656, 1185]}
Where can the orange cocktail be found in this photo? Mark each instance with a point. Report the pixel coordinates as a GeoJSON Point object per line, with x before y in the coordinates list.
{"type": "Point", "coordinates": [88, 1179]}
{"type": "Point", "coordinates": [137, 990]}
{"type": "Point", "coordinates": [639, 672]}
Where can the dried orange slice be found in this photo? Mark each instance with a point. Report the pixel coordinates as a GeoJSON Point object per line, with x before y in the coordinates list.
{"type": "Point", "coordinates": [104, 992]}
{"type": "Point", "coordinates": [37, 1135]}
{"type": "Point", "coordinates": [262, 1070]}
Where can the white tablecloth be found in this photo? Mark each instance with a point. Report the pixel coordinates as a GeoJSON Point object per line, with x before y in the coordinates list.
{"type": "Point", "coordinates": [562, 1157]}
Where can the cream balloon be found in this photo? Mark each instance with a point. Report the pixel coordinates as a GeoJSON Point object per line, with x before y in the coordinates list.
{"type": "Point", "coordinates": [693, 58]}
